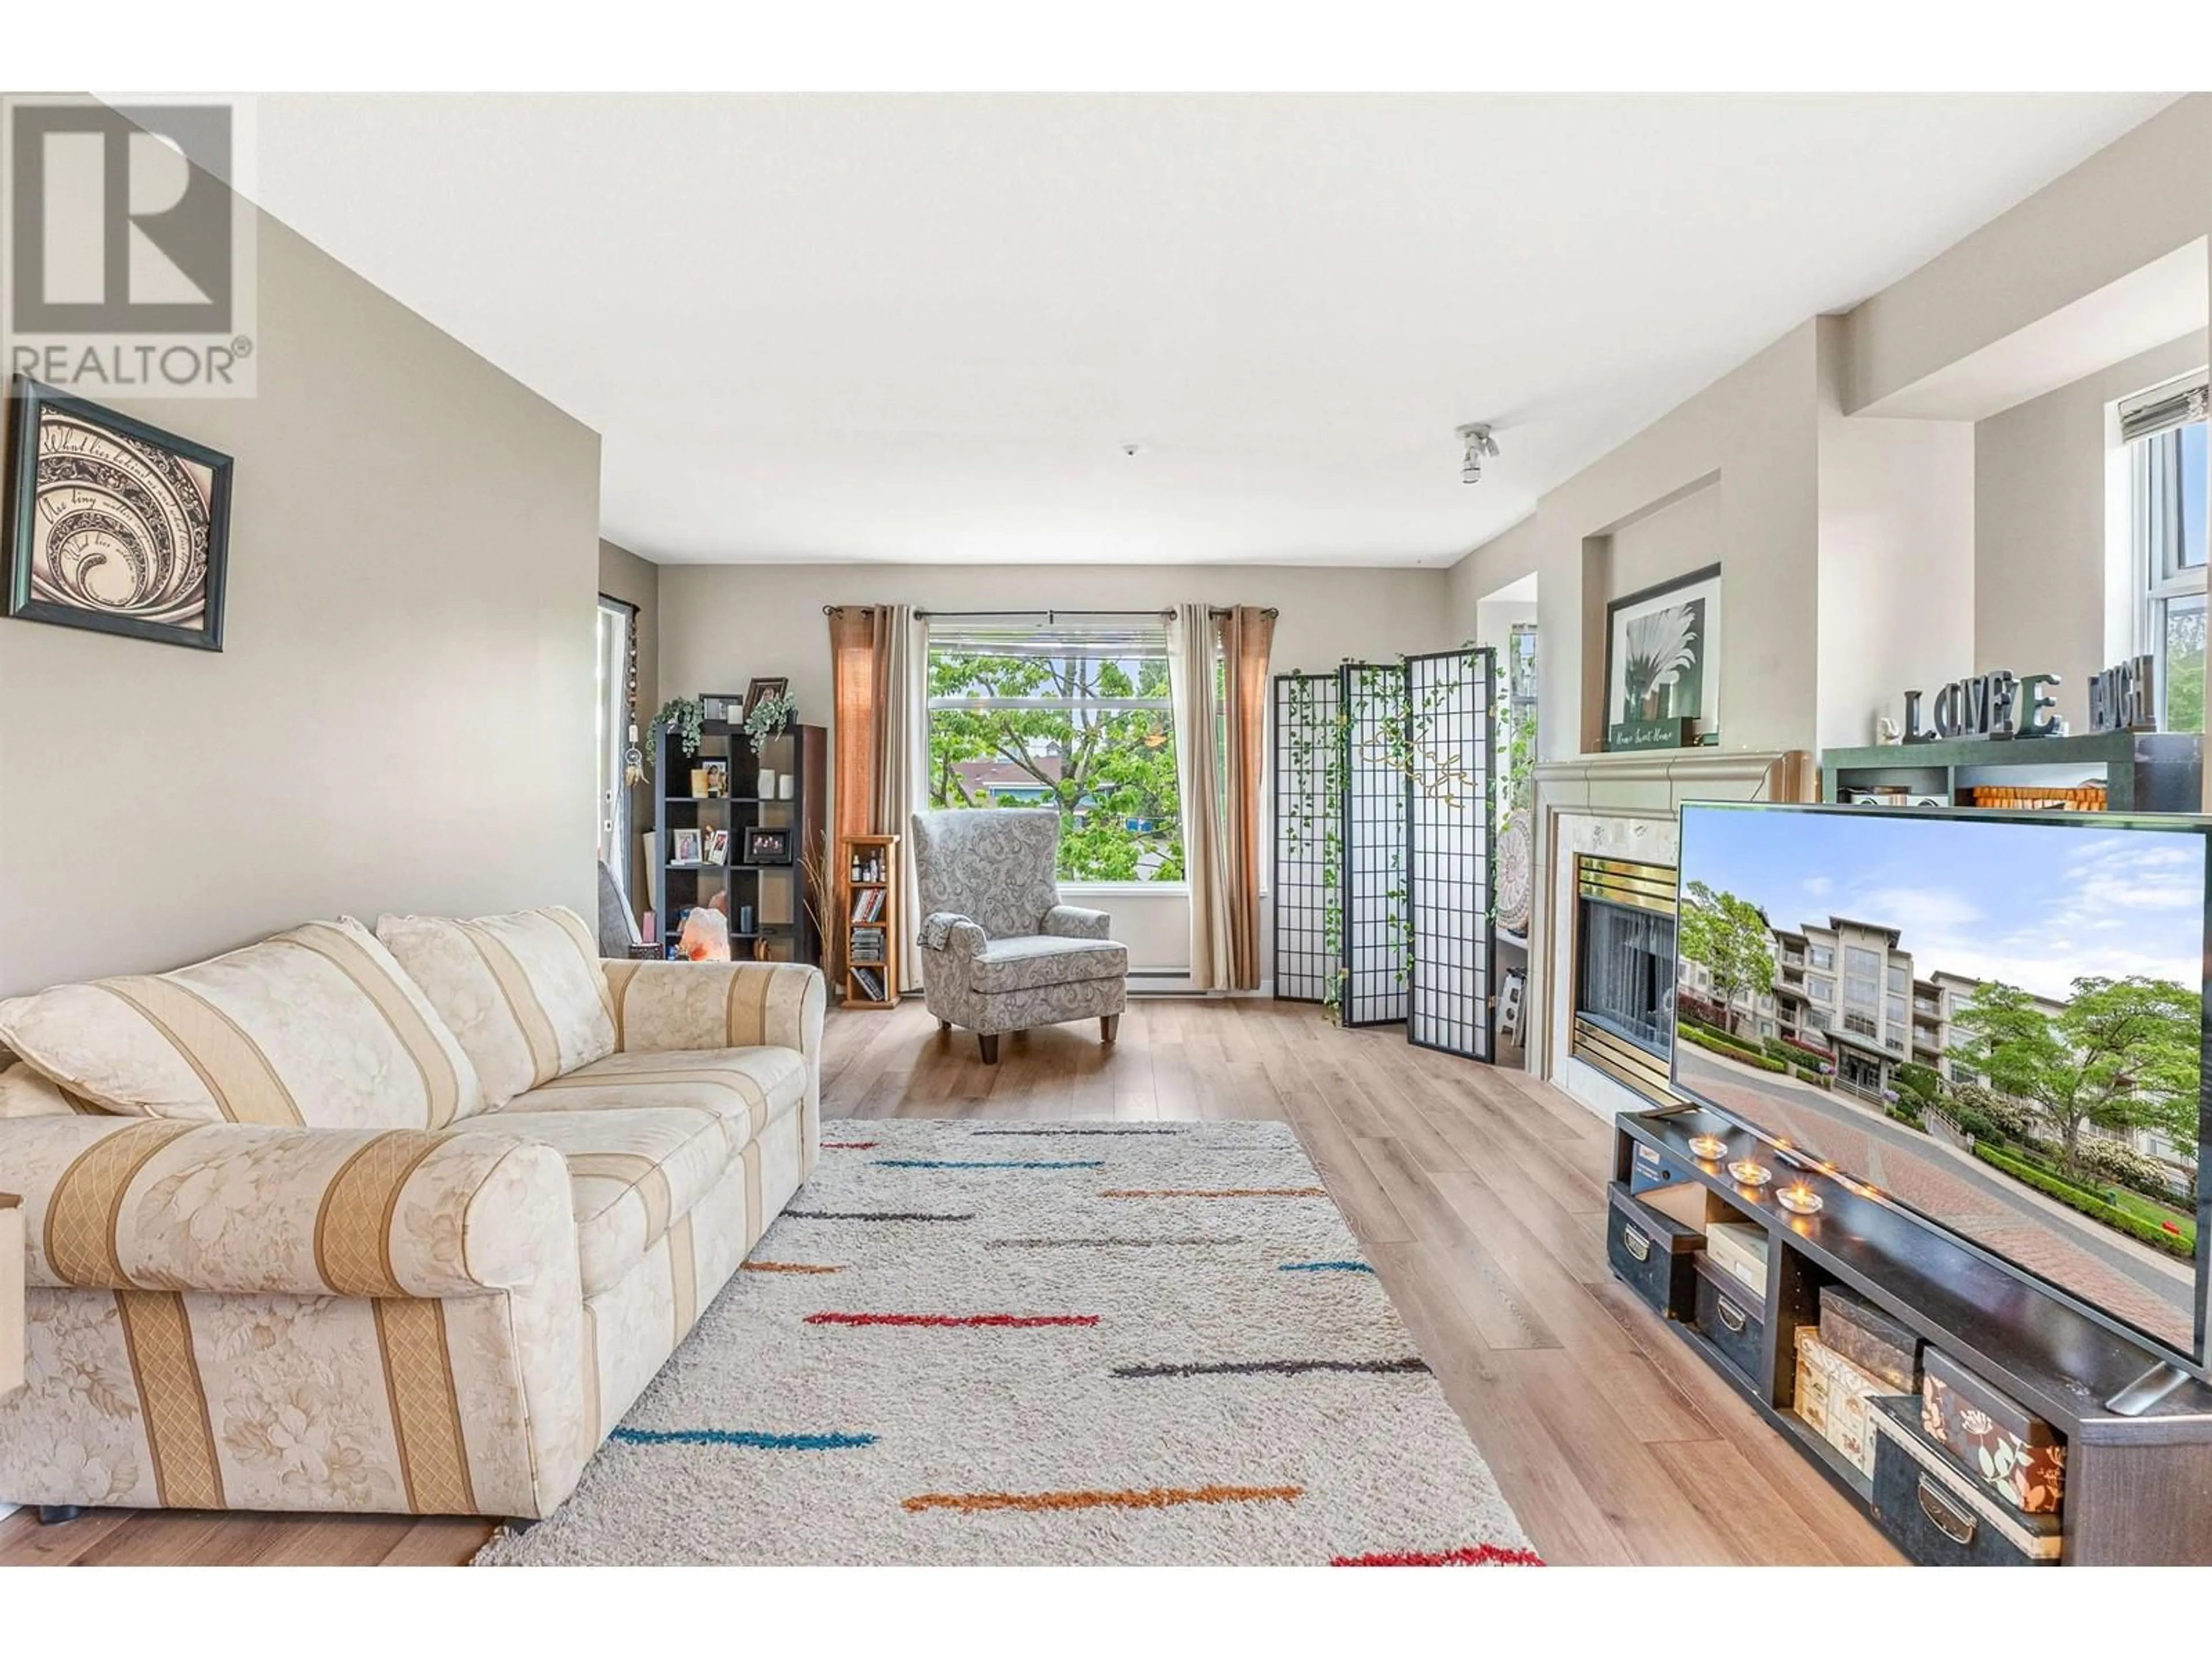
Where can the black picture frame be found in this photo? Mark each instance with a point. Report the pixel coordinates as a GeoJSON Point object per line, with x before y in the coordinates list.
{"type": "Point", "coordinates": [30, 403]}
{"type": "Point", "coordinates": [767, 844]}
{"type": "Point", "coordinates": [759, 686]}
{"type": "Point", "coordinates": [1607, 714]}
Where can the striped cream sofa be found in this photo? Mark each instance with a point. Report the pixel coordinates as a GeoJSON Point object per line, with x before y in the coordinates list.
{"type": "Point", "coordinates": [391, 1221]}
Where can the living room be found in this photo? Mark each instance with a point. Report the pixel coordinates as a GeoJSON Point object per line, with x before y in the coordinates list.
{"type": "Point", "coordinates": [1118, 828]}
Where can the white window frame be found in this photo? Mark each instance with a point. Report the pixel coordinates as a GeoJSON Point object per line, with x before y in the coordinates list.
{"type": "Point", "coordinates": [611, 649]}
{"type": "Point", "coordinates": [1074, 627]}
{"type": "Point", "coordinates": [2159, 577]}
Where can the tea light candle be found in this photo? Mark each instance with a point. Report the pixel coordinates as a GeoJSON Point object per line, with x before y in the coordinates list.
{"type": "Point", "coordinates": [1799, 1200]}
{"type": "Point", "coordinates": [1746, 1173]}
{"type": "Point", "coordinates": [1712, 1148]}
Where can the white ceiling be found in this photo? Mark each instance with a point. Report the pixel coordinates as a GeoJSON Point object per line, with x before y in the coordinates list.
{"type": "Point", "coordinates": [923, 328]}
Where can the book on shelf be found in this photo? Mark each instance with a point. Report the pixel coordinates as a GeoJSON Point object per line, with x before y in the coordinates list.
{"type": "Point", "coordinates": [871, 983]}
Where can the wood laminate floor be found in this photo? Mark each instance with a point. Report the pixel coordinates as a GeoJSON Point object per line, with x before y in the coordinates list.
{"type": "Point", "coordinates": [1479, 1195]}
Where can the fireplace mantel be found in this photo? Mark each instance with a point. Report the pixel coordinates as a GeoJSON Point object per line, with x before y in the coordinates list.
{"type": "Point", "coordinates": [1621, 806]}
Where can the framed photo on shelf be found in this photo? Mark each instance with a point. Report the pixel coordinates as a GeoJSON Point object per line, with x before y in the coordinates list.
{"type": "Point", "coordinates": [766, 845]}
{"type": "Point", "coordinates": [117, 525]}
{"type": "Point", "coordinates": [759, 687]}
{"type": "Point", "coordinates": [718, 847]}
{"type": "Point", "coordinates": [1662, 648]}
{"type": "Point", "coordinates": [717, 780]}
{"type": "Point", "coordinates": [685, 847]}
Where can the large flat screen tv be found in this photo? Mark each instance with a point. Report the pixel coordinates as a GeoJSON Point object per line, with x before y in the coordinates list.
{"type": "Point", "coordinates": [1994, 1021]}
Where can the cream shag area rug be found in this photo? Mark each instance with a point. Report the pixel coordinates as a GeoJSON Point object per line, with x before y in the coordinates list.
{"type": "Point", "coordinates": [996, 1341]}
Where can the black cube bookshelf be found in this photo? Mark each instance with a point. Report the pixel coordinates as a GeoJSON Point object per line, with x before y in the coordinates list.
{"type": "Point", "coordinates": [773, 912]}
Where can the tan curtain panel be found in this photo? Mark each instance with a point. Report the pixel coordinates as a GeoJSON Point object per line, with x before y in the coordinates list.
{"type": "Point", "coordinates": [900, 641]}
{"type": "Point", "coordinates": [1247, 634]}
{"type": "Point", "coordinates": [1191, 638]}
{"type": "Point", "coordinates": [852, 687]}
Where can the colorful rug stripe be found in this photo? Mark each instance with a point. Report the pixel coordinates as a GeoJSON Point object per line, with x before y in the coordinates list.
{"type": "Point", "coordinates": [1109, 1243]}
{"type": "Point", "coordinates": [1041, 1133]}
{"type": "Point", "coordinates": [1277, 1368]}
{"type": "Point", "coordinates": [988, 1164]}
{"type": "Point", "coordinates": [1479, 1555]}
{"type": "Point", "coordinates": [999, 1321]}
{"type": "Point", "coordinates": [870, 1215]}
{"type": "Point", "coordinates": [788, 1268]}
{"type": "Point", "coordinates": [1149, 1497]}
{"type": "Point", "coordinates": [1324, 1268]}
{"type": "Point", "coordinates": [1219, 1192]}
{"type": "Point", "coordinates": [752, 1439]}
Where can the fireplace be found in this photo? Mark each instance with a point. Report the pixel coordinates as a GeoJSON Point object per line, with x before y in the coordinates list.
{"type": "Point", "coordinates": [1624, 971]}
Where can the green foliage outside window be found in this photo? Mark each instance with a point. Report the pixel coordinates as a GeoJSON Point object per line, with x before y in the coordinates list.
{"type": "Point", "coordinates": [1109, 769]}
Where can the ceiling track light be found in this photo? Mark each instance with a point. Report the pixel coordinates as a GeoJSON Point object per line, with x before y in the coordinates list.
{"type": "Point", "coordinates": [1480, 445]}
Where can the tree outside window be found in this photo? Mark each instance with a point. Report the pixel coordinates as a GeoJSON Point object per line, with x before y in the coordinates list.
{"type": "Point", "coordinates": [1084, 725]}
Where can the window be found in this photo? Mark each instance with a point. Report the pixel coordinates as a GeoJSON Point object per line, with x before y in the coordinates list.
{"type": "Point", "coordinates": [1820, 989]}
{"type": "Point", "coordinates": [1071, 711]}
{"type": "Point", "coordinates": [1862, 977]}
{"type": "Point", "coordinates": [1900, 976]}
{"type": "Point", "coordinates": [613, 736]}
{"type": "Point", "coordinates": [1820, 956]}
{"type": "Point", "coordinates": [2165, 432]}
{"type": "Point", "coordinates": [1862, 1025]}
{"type": "Point", "coordinates": [1896, 1011]}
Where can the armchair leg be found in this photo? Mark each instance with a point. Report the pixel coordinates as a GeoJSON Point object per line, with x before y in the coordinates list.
{"type": "Point", "coordinates": [52, 1514]}
{"type": "Point", "coordinates": [1109, 1027]}
{"type": "Point", "coordinates": [988, 1042]}
{"type": "Point", "coordinates": [943, 1024]}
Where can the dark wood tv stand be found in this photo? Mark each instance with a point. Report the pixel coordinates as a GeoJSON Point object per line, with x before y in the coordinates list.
{"type": "Point", "coordinates": [2139, 1443]}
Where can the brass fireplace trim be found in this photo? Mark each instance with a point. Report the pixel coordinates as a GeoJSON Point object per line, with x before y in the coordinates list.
{"type": "Point", "coordinates": [1644, 887]}
{"type": "Point", "coordinates": [1633, 1067]}
{"type": "Point", "coordinates": [1622, 881]}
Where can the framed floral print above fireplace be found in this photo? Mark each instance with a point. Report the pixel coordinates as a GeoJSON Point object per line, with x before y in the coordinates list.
{"type": "Point", "coordinates": [1662, 683]}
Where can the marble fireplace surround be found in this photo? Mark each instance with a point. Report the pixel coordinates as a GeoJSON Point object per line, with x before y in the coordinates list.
{"type": "Point", "coordinates": [1620, 806]}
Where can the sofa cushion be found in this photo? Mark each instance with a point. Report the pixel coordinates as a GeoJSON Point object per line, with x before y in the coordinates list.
{"type": "Point", "coordinates": [751, 1086]}
{"type": "Point", "coordinates": [631, 1172]}
{"type": "Point", "coordinates": [1024, 964]}
{"type": "Point", "coordinates": [524, 994]}
{"type": "Point", "coordinates": [316, 1026]}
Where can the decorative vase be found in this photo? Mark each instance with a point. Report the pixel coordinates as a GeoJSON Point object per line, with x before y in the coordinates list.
{"type": "Point", "coordinates": [767, 784]}
{"type": "Point", "coordinates": [785, 787]}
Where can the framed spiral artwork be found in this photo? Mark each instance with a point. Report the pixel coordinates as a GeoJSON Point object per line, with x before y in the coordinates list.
{"type": "Point", "coordinates": [119, 525]}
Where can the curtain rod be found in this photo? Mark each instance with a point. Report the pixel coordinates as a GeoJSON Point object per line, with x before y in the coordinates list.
{"type": "Point", "coordinates": [1048, 614]}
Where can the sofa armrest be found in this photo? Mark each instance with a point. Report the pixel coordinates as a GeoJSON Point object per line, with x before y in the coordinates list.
{"type": "Point", "coordinates": [119, 1203]}
{"type": "Point", "coordinates": [948, 935]}
{"type": "Point", "coordinates": [1073, 921]}
{"type": "Point", "coordinates": [661, 1007]}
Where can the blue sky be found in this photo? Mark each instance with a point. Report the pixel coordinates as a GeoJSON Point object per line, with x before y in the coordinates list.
{"type": "Point", "coordinates": [2033, 904]}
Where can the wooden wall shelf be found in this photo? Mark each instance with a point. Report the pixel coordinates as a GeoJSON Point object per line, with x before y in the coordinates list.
{"type": "Point", "coordinates": [870, 911]}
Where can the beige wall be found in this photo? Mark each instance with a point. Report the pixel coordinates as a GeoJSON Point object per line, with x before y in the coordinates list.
{"type": "Point", "coordinates": [1729, 478]}
{"type": "Point", "coordinates": [635, 582]}
{"type": "Point", "coordinates": [402, 717]}
{"type": "Point", "coordinates": [2053, 589]}
{"type": "Point", "coordinates": [1897, 558]}
{"type": "Point", "coordinates": [2136, 200]}
{"type": "Point", "coordinates": [722, 624]}
{"type": "Point", "coordinates": [1862, 556]}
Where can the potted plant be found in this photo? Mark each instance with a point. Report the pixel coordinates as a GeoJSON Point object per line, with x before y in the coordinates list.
{"type": "Point", "coordinates": [769, 717]}
{"type": "Point", "coordinates": [682, 715]}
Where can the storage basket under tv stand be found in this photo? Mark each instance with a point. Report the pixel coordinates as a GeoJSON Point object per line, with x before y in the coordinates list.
{"type": "Point", "coordinates": [2138, 1487]}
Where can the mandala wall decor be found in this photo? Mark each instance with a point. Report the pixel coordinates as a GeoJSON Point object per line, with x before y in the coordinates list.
{"type": "Point", "coordinates": [119, 525]}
